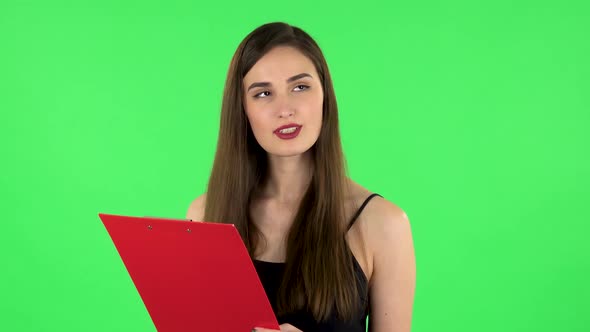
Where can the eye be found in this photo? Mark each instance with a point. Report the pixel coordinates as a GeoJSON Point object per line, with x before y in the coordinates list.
{"type": "Point", "coordinates": [258, 95]}
{"type": "Point", "coordinates": [303, 86]}
{"type": "Point", "coordinates": [263, 94]}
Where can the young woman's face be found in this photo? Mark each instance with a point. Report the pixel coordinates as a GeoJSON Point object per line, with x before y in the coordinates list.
{"type": "Point", "coordinates": [283, 90]}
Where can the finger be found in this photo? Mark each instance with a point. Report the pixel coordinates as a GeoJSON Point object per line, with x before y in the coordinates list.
{"type": "Point", "coordinates": [289, 328]}
{"type": "Point", "coordinates": [284, 328]}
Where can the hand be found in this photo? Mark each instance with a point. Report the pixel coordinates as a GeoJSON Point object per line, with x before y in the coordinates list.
{"type": "Point", "coordinates": [284, 328]}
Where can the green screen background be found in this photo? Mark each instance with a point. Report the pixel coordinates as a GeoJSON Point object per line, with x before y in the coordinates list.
{"type": "Point", "coordinates": [473, 117]}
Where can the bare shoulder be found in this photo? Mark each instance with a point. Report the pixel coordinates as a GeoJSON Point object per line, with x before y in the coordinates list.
{"type": "Point", "coordinates": [385, 216]}
{"type": "Point", "coordinates": [383, 221]}
{"type": "Point", "coordinates": [379, 214]}
{"type": "Point", "coordinates": [196, 210]}
{"type": "Point", "coordinates": [393, 279]}
{"type": "Point", "coordinates": [385, 227]}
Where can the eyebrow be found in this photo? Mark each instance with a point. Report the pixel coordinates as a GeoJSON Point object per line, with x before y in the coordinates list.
{"type": "Point", "coordinates": [289, 80]}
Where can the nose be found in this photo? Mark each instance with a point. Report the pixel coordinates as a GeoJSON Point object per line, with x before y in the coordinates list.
{"type": "Point", "coordinates": [285, 108]}
{"type": "Point", "coordinates": [285, 113]}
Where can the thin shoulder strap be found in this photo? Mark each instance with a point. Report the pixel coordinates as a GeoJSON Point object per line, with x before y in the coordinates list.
{"type": "Point", "coordinates": [358, 212]}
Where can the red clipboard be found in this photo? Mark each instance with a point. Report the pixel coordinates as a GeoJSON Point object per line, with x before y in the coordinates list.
{"type": "Point", "coordinates": [191, 276]}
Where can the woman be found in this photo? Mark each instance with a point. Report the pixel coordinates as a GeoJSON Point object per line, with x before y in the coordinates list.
{"type": "Point", "coordinates": [279, 176]}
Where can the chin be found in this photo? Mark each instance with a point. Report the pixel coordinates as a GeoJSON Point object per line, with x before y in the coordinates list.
{"type": "Point", "coordinates": [288, 152]}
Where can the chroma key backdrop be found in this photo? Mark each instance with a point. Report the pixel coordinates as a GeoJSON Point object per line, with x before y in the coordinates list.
{"type": "Point", "coordinates": [472, 116]}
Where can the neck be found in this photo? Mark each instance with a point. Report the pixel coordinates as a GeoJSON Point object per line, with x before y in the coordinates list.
{"type": "Point", "coordinates": [288, 177]}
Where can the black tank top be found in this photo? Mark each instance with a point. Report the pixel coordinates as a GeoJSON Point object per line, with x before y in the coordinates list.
{"type": "Point", "coordinates": [271, 274]}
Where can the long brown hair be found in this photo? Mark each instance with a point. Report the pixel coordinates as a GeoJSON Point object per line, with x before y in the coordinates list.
{"type": "Point", "coordinates": [319, 274]}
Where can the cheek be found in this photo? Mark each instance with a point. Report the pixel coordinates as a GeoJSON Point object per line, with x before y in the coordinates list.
{"type": "Point", "coordinates": [258, 122]}
{"type": "Point", "coordinates": [310, 103]}
{"type": "Point", "coordinates": [317, 109]}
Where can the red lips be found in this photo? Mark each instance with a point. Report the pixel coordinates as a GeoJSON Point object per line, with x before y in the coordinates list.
{"type": "Point", "coordinates": [290, 125]}
{"type": "Point", "coordinates": [288, 135]}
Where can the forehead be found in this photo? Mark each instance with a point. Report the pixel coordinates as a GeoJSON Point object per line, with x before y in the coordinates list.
{"type": "Point", "coordinates": [279, 64]}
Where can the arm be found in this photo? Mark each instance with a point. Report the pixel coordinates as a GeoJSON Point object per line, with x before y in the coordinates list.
{"type": "Point", "coordinates": [393, 281]}
{"type": "Point", "coordinates": [196, 211]}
